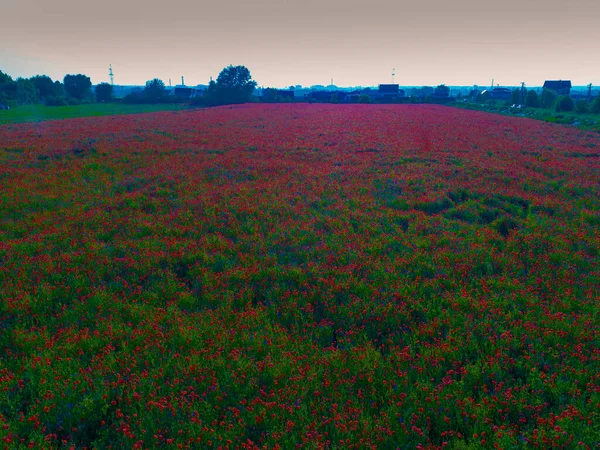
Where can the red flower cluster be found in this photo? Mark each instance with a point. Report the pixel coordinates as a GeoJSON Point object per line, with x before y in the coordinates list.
{"type": "Point", "coordinates": [299, 276]}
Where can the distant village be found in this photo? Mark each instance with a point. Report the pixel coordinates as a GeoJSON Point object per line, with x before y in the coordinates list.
{"type": "Point", "coordinates": [382, 93]}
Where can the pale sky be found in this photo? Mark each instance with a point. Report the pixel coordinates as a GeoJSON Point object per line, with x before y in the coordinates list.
{"type": "Point", "coordinates": [285, 42]}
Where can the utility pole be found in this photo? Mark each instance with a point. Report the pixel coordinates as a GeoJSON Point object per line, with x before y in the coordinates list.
{"type": "Point", "coordinates": [111, 75]}
{"type": "Point", "coordinates": [589, 91]}
{"type": "Point", "coordinates": [522, 96]}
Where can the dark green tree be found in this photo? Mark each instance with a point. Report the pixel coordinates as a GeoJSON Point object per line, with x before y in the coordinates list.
{"type": "Point", "coordinates": [5, 78]}
{"type": "Point", "coordinates": [104, 92]}
{"type": "Point", "coordinates": [595, 105]}
{"type": "Point", "coordinates": [154, 90]}
{"type": "Point", "coordinates": [565, 103]}
{"type": "Point", "coordinates": [548, 98]}
{"type": "Point", "coordinates": [532, 100]}
{"type": "Point", "coordinates": [515, 96]}
{"type": "Point", "coordinates": [234, 85]}
{"type": "Point", "coordinates": [581, 106]}
{"type": "Point", "coordinates": [442, 91]}
{"type": "Point", "coordinates": [45, 86]}
{"type": "Point", "coordinates": [26, 92]}
{"type": "Point", "coordinates": [78, 86]}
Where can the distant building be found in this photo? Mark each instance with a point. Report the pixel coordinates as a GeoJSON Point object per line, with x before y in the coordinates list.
{"type": "Point", "coordinates": [183, 91]}
{"type": "Point", "coordinates": [498, 93]}
{"type": "Point", "coordinates": [186, 91]}
{"type": "Point", "coordinates": [560, 87]}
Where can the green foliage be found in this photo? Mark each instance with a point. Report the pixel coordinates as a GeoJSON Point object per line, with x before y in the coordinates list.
{"type": "Point", "coordinates": [56, 101]}
{"type": "Point", "coordinates": [595, 105]}
{"type": "Point", "coordinates": [548, 98]}
{"type": "Point", "coordinates": [78, 87]}
{"type": "Point", "coordinates": [26, 92]}
{"type": "Point", "coordinates": [46, 88]}
{"type": "Point", "coordinates": [515, 97]}
{"type": "Point", "coordinates": [581, 106]}
{"type": "Point", "coordinates": [19, 92]}
{"type": "Point", "coordinates": [532, 100]}
{"type": "Point", "coordinates": [104, 92]}
{"type": "Point", "coordinates": [154, 90]}
{"type": "Point", "coordinates": [364, 98]}
{"type": "Point", "coordinates": [442, 91]}
{"type": "Point", "coordinates": [234, 85]}
{"type": "Point", "coordinates": [271, 95]}
{"type": "Point", "coordinates": [5, 78]}
{"type": "Point", "coordinates": [564, 103]}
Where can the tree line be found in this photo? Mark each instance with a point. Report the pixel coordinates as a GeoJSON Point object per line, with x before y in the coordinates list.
{"type": "Point", "coordinates": [233, 85]}
{"type": "Point", "coordinates": [548, 99]}
{"type": "Point", "coordinates": [74, 89]}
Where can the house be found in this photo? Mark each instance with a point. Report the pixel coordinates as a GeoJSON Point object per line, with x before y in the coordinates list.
{"type": "Point", "coordinates": [498, 93]}
{"type": "Point", "coordinates": [560, 87]}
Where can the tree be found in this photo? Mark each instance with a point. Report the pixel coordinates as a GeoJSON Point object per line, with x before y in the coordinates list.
{"type": "Point", "coordinates": [581, 106]}
{"type": "Point", "coordinates": [26, 94]}
{"type": "Point", "coordinates": [442, 91]}
{"type": "Point", "coordinates": [44, 85]}
{"type": "Point", "coordinates": [78, 86]}
{"type": "Point", "coordinates": [595, 106]}
{"type": "Point", "coordinates": [154, 90]}
{"type": "Point", "coordinates": [565, 103]}
{"type": "Point", "coordinates": [548, 98]}
{"type": "Point", "coordinates": [515, 95]}
{"type": "Point", "coordinates": [532, 100]}
{"type": "Point", "coordinates": [104, 92]}
{"type": "Point", "coordinates": [234, 85]}
{"type": "Point", "coordinates": [5, 78]}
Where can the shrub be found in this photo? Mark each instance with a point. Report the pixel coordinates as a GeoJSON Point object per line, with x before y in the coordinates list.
{"type": "Point", "coordinates": [548, 98]}
{"type": "Point", "coordinates": [74, 101]}
{"type": "Point", "coordinates": [104, 92]}
{"type": "Point", "coordinates": [565, 103]}
{"type": "Point", "coordinates": [364, 98]}
{"type": "Point", "coordinates": [595, 106]}
{"type": "Point", "coordinates": [56, 101]}
{"type": "Point", "coordinates": [532, 100]}
{"type": "Point", "coordinates": [581, 106]}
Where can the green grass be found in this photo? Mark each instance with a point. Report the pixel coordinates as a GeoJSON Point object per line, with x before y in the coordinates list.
{"type": "Point", "coordinates": [585, 121]}
{"type": "Point", "coordinates": [38, 113]}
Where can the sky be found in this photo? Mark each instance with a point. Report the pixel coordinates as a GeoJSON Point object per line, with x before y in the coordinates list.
{"type": "Point", "coordinates": [307, 42]}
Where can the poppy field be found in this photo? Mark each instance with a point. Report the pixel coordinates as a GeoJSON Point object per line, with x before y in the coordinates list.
{"type": "Point", "coordinates": [299, 276]}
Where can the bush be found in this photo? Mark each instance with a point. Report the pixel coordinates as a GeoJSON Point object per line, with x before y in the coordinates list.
{"type": "Point", "coordinates": [104, 92]}
{"type": "Point", "coordinates": [581, 106]}
{"type": "Point", "coordinates": [74, 101]}
{"type": "Point", "coordinates": [364, 98]}
{"type": "Point", "coordinates": [565, 103]}
{"type": "Point", "coordinates": [595, 106]}
{"type": "Point", "coordinates": [532, 100]}
{"type": "Point", "coordinates": [548, 98]}
{"type": "Point", "coordinates": [56, 101]}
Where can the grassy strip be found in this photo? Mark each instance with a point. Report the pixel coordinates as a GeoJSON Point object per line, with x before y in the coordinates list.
{"type": "Point", "coordinates": [39, 113]}
{"type": "Point", "coordinates": [584, 121]}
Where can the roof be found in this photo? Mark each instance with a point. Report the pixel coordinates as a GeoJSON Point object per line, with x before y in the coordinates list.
{"type": "Point", "coordinates": [560, 84]}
